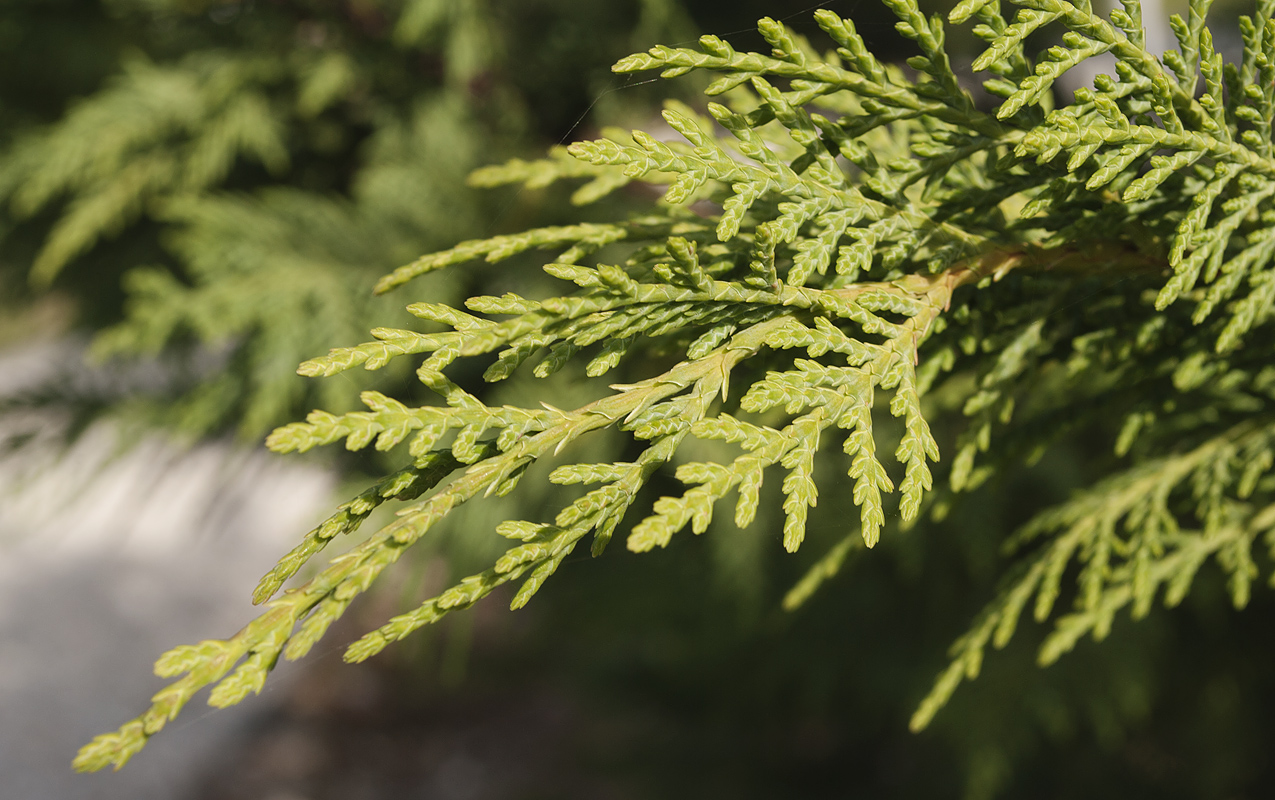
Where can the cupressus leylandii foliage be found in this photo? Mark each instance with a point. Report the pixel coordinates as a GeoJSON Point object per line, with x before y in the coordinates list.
{"type": "Point", "coordinates": [841, 237]}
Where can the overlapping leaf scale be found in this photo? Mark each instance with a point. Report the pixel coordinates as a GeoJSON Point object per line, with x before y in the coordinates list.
{"type": "Point", "coordinates": [929, 36]}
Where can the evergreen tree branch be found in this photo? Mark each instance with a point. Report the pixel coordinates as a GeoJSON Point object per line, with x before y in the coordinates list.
{"type": "Point", "coordinates": [1025, 261]}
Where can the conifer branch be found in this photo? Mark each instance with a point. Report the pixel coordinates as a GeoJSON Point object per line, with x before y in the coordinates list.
{"type": "Point", "coordinates": [877, 234]}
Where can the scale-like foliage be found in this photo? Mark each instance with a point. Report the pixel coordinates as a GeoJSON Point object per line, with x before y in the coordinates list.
{"type": "Point", "coordinates": [858, 238]}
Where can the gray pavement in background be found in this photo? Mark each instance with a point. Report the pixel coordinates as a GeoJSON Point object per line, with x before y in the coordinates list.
{"type": "Point", "coordinates": [112, 551]}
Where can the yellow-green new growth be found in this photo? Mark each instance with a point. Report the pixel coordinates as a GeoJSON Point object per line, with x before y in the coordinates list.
{"type": "Point", "coordinates": [858, 234]}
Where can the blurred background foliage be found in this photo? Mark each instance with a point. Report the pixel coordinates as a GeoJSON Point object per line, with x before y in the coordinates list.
{"type": "Point", "coordinates": [218, 183]}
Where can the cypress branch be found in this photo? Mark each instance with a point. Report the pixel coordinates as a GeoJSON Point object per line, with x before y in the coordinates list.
{"type": "Point", "coordinates": [1056, 267]}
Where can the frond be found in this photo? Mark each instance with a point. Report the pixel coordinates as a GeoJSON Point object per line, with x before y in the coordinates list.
{"type": "Point", "coordinates": [866, 236]}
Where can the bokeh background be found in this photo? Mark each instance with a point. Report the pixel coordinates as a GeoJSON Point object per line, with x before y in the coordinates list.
{"type": "Point", "coordinates": [196, 195]}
